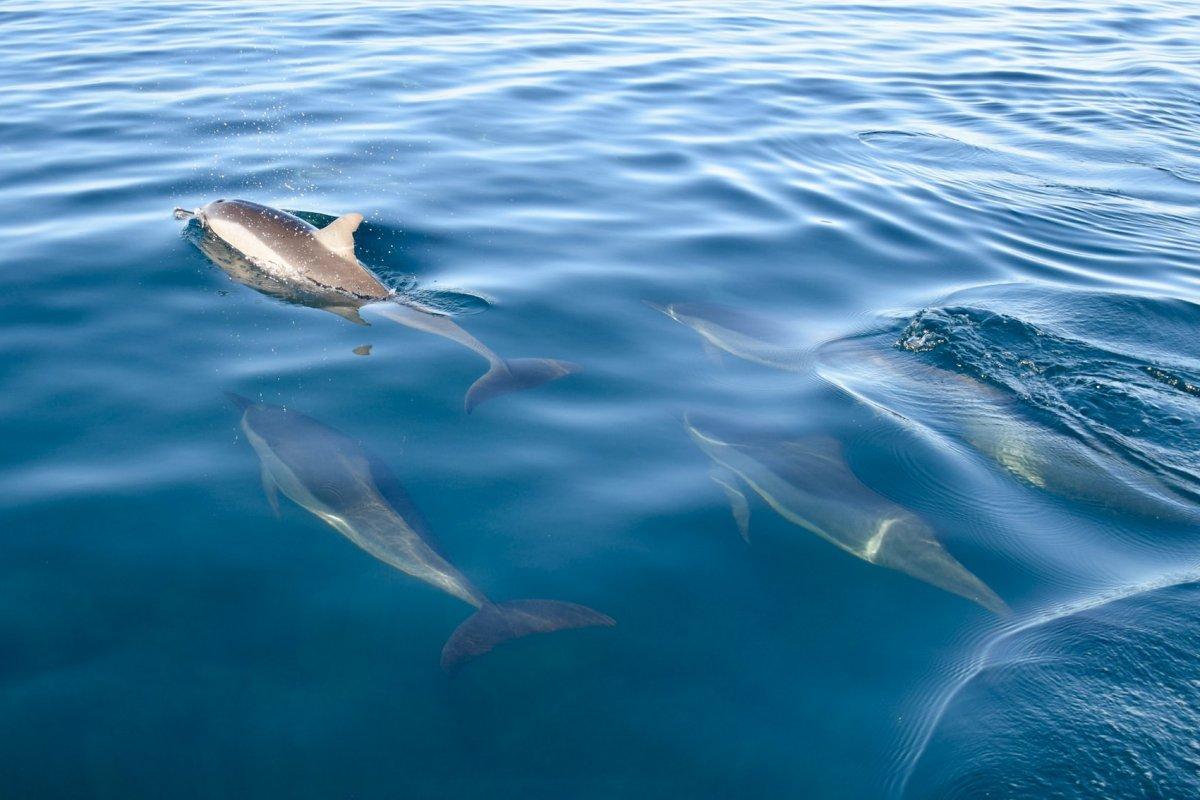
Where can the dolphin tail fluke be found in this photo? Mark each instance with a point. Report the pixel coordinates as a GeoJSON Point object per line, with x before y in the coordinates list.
{"type": "Point", "coordinates": [514, 375]}
{"type": "Point", "coordinates": [496, 623]}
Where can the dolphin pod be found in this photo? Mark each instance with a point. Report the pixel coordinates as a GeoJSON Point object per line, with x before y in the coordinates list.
{"type": "Point", "coordinates": [281, 255]}
{"type": "Point", "coordinates": [339, 481]}
{"type": "Point", "coordinates": [976, 413]}
{"type": "Point", "coordinates": [808, 483]}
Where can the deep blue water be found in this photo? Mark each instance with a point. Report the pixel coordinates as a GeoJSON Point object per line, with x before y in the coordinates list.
{"type": "Point", "coordinates": [968, 233]}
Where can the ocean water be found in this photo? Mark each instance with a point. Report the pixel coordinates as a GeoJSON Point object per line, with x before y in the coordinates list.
{"type": "Point", "coordinates": [937, 268]}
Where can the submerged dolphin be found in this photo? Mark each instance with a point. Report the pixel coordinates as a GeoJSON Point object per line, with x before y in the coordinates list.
{"type": "Point", "coordinates": [895, 382]}
{"type": "Point", "coordinates": [809, 484]}
{"type": "Point", "coordinates": [282, 255]}
{"type": "Point", "coordinates": [339, 481]}
{"type": "Point", "coordinates": [746, 337]}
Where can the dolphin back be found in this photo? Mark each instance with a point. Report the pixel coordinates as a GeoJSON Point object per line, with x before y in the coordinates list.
{"type": "Point", "coordinates": [496, 623]}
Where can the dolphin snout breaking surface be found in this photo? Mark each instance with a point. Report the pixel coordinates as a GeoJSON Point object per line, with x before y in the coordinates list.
{"type": "Point", "coordinates": [280, 254]}
{"type": "Point", "coordinates": [351, 490]}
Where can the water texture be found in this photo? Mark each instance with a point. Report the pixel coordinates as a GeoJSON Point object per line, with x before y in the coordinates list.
{"type": "Point", "coordinates": [952, 248]}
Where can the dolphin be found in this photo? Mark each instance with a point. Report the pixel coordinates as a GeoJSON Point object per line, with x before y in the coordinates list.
{"type": "Point", "coordinates": [281, 255]}
{"type": "Point", "coordinates": [809, 484]}
{"type": "Point", "coordinates": [892, 381]}
{"type": "Point", "coordinates": [335, 478]}
{"type": "Point", "coordinates": [750, 338]}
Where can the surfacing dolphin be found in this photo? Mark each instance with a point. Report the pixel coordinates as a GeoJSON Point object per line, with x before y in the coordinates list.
{"type": "Point", "coordinates": [335, 478]}
{"type": "Point", "coordinates": [809, 484]}
{"type": "Point", "coordinates": [893, 381]}
{"type": "Point", "coordinates": [280, 254]}
{"type": "Point", "coordinates": [751, 338]}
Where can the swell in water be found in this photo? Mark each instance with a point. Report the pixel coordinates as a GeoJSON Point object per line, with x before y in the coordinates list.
{"type": "Point", "coordinates": [1089, 691]}
{"type": "Point", "coordinates": [838, 166]}
{"type": "Point", "coordinates": [1095, 699]}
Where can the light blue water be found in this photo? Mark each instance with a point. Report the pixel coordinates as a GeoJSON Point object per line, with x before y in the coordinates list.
{"type": "Point", "coordinates": [975, 226]}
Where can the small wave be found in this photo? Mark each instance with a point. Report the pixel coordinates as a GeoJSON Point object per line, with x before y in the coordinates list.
{"type": "Point", "coordinates": [1008, 377]}
{"type": "Point", "coordinates": [455, 302]}
{"type": "Point", "coordinates": [1107, 395]}
{"type": "Point", "coordinates": [1098, 700]}
{"type": "Point", "coordinates": [930, 147]}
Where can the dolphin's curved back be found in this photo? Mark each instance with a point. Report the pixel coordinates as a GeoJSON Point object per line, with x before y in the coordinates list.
{"type": "Point", "coordinates": [283, 256]}
{"type": "Point", "coordinates": [292, 249]}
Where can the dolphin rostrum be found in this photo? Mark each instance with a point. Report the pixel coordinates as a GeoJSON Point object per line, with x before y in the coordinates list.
{"type": "Point", "coordinates": [350, 489]}
{"type": "Point", "coordinates": [808, 483]}
{"type": "Point", "coordinates": [280, 254]}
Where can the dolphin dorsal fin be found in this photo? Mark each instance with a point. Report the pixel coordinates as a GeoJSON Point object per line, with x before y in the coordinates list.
{"type": "Point", "coordinates": [338, 236]}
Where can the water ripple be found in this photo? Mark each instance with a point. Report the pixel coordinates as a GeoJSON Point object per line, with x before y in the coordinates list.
{"type": "Point", "coordinates": [1018, 179]}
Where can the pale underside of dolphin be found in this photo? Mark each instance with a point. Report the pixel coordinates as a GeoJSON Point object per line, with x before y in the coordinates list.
{"type": "Point", "coordinates": [279, 254]}
{"type": "Point", "coordinates": [747, 337]}
{"type": "Point", "coordinates": [343, 484]}
{"type": "Point", "coordinates": [809, 484]}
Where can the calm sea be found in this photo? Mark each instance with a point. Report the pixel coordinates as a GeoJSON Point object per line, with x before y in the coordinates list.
{"type": "Point", "coordinates": [940, 269]}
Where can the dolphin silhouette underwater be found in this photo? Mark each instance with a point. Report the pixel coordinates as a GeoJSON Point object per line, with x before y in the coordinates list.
{"type": "Point", "coordinates": [808, 483]}
{"type": "Point", "coordinates": [279, 254]}
{"type": "Point", "coordinates": [895, 382]}
{"type": "Point", "coordinates": [750, 338]}
{"type": "Point", "coordinates": [339, 481]}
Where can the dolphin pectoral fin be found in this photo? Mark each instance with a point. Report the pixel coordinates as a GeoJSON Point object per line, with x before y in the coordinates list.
{"type": "Point", "coordinates": [338, 236]}
{"type": "Point", "coordinates": [496, 623]}
{"type": "Point", "coordinates": [513, 375]}
{"type": "Point", "coordinates": [727, 479]}
{"type": "Point", "coordinates": [348, 313]}
{"type": "Point", "coordinates": [271, 489]}
{"type": "Point", "coordinates": [714, 354]}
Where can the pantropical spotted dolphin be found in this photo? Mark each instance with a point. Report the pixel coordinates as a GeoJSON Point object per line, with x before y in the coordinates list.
{"type": "Point", "coordinates": [339, 481]}
{"type": "Point", "coordinates": [280, 254]}
{"type": "Point", "coordinates": [809, 484]}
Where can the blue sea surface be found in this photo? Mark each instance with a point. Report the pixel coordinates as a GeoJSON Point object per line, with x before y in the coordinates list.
{"type": "Point", "coordinates": [941, 261]}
